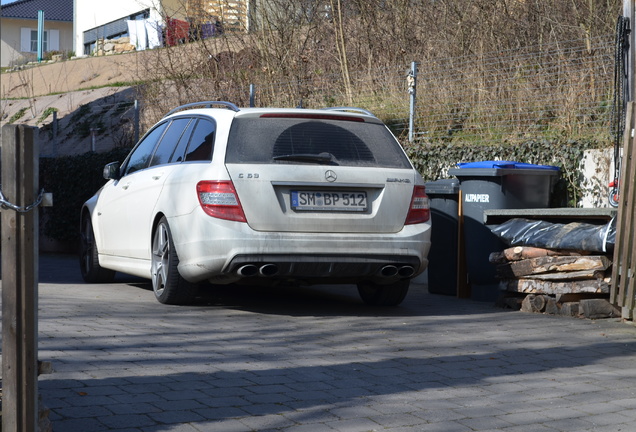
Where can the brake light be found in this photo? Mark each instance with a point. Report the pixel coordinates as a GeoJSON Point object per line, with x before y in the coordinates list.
{"type": "Point", "coordinates": [220, 200]}
{"type": "Point", "coordinates": [420, 211]}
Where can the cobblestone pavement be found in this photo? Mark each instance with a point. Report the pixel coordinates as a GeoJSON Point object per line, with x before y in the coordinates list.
{"type": "Point", "coordinates": [318, 359]}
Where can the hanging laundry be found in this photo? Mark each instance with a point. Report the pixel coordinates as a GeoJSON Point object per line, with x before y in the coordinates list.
{"type": "Point", "coordinates": [177, 31]}
{"type": "Point", "coordinates": [132, 32]}
{"type": "Point", "coordinates": [137, 33]}
{"type": "Point", "coordinates": [153, 30]}
{"type": "Point", "coordinates": [208, 30]}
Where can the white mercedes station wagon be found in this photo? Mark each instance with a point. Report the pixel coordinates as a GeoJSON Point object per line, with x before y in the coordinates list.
{"type": "Point", "coordinates": [269, 196]}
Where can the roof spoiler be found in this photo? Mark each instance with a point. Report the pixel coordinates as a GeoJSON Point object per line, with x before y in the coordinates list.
{"type": "Point", "coordinates": [352, 109]}
{"type": "Point", "coordinates": [205, 104]}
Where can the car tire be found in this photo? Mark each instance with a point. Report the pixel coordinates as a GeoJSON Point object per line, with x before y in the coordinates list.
{"type": "Point", "coordinates": [91, 271]}
{"type": "Point", "coordinates": [168, 285]}
{"type": "Point", "coordinates": [384, 295]}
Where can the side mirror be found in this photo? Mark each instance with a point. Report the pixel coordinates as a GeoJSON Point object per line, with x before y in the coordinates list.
{"type": "Point", "coordinates": [112, 171]}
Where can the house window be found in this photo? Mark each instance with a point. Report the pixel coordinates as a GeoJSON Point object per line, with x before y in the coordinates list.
{"type": "Point", "coordinates": [34, 41]}
{"type": "Point", "coordinates": [29, 40]}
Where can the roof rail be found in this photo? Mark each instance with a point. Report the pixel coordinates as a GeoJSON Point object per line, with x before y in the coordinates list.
{"type": "Point", "coordinates": [206, 104]}
{"type": "Point", "coordinates": [354, 109]}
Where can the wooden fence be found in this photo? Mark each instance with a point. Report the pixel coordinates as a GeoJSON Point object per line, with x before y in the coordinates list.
{"type": "Point", "coordinates": [624, 267]}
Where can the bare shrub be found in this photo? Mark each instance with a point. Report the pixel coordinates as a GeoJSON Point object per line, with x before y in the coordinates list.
{"type": "Point", "coordinates": [484, 63]}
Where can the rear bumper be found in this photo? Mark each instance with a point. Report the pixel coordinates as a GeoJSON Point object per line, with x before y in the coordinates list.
{"type": "Point", "coordinates": [318, 268]}
{"type": "Point", "coordinates": [230, 251]}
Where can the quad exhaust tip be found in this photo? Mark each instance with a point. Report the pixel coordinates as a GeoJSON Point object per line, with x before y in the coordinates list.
{"type": "Point", "coordinates": [406, 271]}
{"type": "Point", "coordinates": [247, 270]}
{"type": "Point", "coordinates": [402, 271]}
{"type": "Point", "coordinates": [265, 270]}
{"type": "Point", "coordinates": [268, 270]}
{"type": "Point", "coordinates": [388, 271]}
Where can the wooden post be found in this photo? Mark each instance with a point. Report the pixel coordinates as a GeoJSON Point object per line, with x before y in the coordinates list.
{"type": "Point", "coordinates": [627, 205]}
{"type": "Point", "coordinates": [463, 288]}
{"type": "Point", "coordinates": [623, 286]}
{"type": "Point", "coordinates": [19, 280]}
{"type": "Point", "coordinates": [625, 221]}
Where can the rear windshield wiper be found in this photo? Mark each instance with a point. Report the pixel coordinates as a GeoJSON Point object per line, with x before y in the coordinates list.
{"type": "Point", "coordinates": [307, 157]}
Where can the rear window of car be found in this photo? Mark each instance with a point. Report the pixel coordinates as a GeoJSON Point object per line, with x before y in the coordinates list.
{"type": "Point", "coordinates": [288, 139]}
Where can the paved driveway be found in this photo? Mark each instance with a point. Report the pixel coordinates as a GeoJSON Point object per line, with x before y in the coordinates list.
{"type": "Point", "coordinates": [317, 359]}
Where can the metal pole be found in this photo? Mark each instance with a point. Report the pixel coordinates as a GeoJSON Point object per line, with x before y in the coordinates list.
{"type": "Point", "coordinates": [136, 125]}
{"type": "Point", "coordinates": [252, 95]}
{"type": "Point", "coordinates": [40, 35]}
{"type": "Point", "coordinates": [93, 138]}
{"type": "Point", "coordinates": [412, 82]}
{"type": "Point", "coordinates": [54, 126]}
{"type": "Point", "coordinates": [628, 12]}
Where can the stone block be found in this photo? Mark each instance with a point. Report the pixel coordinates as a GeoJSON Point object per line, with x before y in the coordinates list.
{"type": "Point", "coordinates": [124, 47]}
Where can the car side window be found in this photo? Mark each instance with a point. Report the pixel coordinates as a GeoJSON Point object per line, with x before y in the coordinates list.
{"type": "Point", "coordinates": [140, 156]}
{"type": "Point", "coordinates": [179, 153]}
{"type": "Point", "coordinates": [169, 141]}
{"type": "Point", "coordinates": [202, 142]}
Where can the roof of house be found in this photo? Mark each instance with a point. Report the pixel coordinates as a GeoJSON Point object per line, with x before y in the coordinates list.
{"type": "Point", "coordinates": [54, 10]}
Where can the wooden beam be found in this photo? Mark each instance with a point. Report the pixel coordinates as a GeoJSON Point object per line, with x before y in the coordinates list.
{"type": "Point", "coordinates": [519, 253]}
{"type": "Point", "coordinates": [534, 286]}
{"type": "Point", "coordinates": [463, 287]}
{"type": "Point", "coordinates": [19, 237]}
{"type": "Point", "coordinates": [552, 264]}
{"type": "Point", "coordinates": [628, 195]}
{"type": "Point", "coordinates": [624, 223]}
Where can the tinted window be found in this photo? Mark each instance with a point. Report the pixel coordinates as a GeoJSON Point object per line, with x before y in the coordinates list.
{"type": "Point", "coordinates": [140, 156]}
{"type": "Point", "coordinates": [202, 142]}
{"type": "Point", "coordinates": [278, 139]}
{"type": "Point", "coordinates": [315, 137]}
{"type": "Point", "coordinates": [179, 153]}
{"type": "Point", "coordinates": [169, 141]}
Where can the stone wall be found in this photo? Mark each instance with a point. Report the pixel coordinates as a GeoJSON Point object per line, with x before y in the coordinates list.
{"type": "Point", "coordinates": [113, 46]}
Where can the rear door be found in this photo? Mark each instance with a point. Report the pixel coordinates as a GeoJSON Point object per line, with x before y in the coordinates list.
{"type": "Point", "coordinates": [127, 211]}
{"type": "Point", "coordinates": [310, 172]}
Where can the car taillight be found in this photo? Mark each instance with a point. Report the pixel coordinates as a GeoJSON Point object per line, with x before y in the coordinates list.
{"type": "Point", "coordinates": [220, 200]}
{"type": "Point", "coordinates": [419, 211]}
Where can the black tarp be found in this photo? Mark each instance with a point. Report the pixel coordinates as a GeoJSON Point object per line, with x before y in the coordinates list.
{"type": "Point", "coordinates": [570, 236]}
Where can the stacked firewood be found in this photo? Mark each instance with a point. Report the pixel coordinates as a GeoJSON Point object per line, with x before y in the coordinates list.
{"type": "Point", "coordinates": [535, 270]}
{"type": "Point", "coordinates": [544, 279]}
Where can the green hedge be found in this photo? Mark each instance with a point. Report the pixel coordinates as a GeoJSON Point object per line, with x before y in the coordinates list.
{"type": "Point", "coordinates": [72, 180]}
{"type": "Point", "coordinates": [433, 161]}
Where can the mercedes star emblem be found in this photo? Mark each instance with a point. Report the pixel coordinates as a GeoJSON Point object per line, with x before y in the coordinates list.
{"type": "Point", "coordinates": [330, 176]}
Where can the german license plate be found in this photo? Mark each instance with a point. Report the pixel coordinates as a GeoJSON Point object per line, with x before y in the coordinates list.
{"type": "Point", "coordinates": [329, 201]}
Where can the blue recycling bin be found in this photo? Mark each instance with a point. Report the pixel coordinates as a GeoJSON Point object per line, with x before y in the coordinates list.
{"type": "Point", "coordinates": [490, 185]}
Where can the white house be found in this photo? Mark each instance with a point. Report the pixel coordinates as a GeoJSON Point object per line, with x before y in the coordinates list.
{"type": "Point", "coordinates": [19, 29]}
{"type": "Point", "coordinates": [94, 21]}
